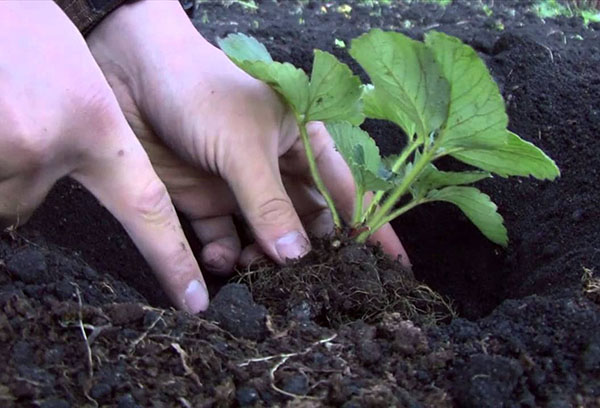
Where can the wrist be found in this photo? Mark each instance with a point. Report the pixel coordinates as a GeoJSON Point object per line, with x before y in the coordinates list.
{"type": "Point", "coordinates": [146, 39]}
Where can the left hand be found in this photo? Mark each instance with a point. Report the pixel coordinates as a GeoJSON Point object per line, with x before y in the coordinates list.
{"type": "Point", "coordinates": [221, 141]}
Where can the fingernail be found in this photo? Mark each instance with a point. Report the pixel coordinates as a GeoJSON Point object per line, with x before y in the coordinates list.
{"type": "Point", "coordinates": [196, 297]}
{"type": "Point", "coordinates": [215, 263]}
{"type": "Point", "coordinates": [292, 245]}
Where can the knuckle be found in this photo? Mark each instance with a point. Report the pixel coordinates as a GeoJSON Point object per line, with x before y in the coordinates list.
{"type": "Point", "coordinates": [154, 204]}
{"type": "Point", "coordinates": [275, 211]}
{"type": "Point", "coordinates": [96, 106]}
{"type": "Point", "coordinates": [182, 263]}
{"type": "Point", "coordinates": [27, 141]}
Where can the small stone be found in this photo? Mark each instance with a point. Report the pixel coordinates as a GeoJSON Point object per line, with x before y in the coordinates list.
{"type": "Point", "coordinates": [55, 403]}
{"type": "Point", "coordinates": [101, 391]}
{"type": "Point", "coordinates": [90, 274]}
{"type": "Point", "coordinates": [64, 290]}
{"type": "Point", "coordinates": [22, 353]}
{"type": "Point", "coordinates": [296, 384]}
{"type": "Point", "coordinates": [29, 265]}
{"type": "Point", "coordinates": [577, 215]}
{"type": "Point", "coordinates": [246, 396]}
{"type": "Point", "coordinates": [126, 401]}
{"type": "Point", "coordinates": [301, 312]}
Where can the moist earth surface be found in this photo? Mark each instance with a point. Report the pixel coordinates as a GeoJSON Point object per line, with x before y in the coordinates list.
{"type": "Point", "coordinates": [84, 323]}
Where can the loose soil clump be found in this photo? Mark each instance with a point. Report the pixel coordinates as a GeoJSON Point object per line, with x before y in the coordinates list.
{"type": "Point", "coordinates": [84, 323]}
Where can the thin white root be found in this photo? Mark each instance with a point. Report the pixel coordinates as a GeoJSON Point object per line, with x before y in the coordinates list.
{"type": "Point", "coordinates": [84, 334]}
{"type": "Point", "coordinates": [144, 334]}
{"type": "Point", "coordinates": [283, 358]}
{"type": "Point", "coordinates": [184, 362]}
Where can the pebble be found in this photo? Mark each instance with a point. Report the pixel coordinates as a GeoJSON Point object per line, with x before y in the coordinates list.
{"type": "Point", "coordinates": [29, 265]}
{"type": "Point", "coordinates": [101, 391]}
{"type": "Point", "coordinates": [127, 401]}
{"type": "Point", "coordinates": [296, 384]}
{"type": "Point", "coordinates": [246, 396]}
{"type": "Point", "coordinates": [55, 403]}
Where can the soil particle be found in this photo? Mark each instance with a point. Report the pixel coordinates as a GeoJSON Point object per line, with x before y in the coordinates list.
{"type": "Point", "coordinates": [590, 358]}
{"type": "Point", "coordinates": [296, 384]}
{"type": "Point", "coordinates": [487, 381]}
{"type": "Point", "coordinates": [246, 396]}
{"type": "Point", "coordinates": [123, 313]}
{"type": "Point", "coordinates": [54, 403]}
{"type": "Point", "coordinates": [127, 401]}
{"type": "Point", "coordinates": [28, 265]}
{"type": "Point", "coordinates": [101, 392]}
{"type": "Point", "coordinates": [409, 340]}
{"type": "Point", "coordinates": [236, 312]}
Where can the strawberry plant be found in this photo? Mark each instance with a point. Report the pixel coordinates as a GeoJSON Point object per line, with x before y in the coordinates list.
{"type": "Point", "coordinates": [442, 97]}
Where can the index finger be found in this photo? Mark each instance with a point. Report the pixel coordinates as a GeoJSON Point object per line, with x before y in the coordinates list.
{"type": "Point", "coordinates": [121, 177]}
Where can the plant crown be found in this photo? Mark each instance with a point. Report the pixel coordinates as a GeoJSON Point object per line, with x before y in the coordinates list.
{"type": "Point", "coordinates": [439, 92]}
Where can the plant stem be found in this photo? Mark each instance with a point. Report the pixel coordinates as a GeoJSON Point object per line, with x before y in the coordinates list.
{"type": "Point", "coordinates": [398, 212]}
{"type": "Point", "coordinates": [387, 206]}
{"type": "Point", "coordinates": [397, 164]}
{"type": "Point", "coordinates": [358, 205]}
{"type": "Point", "coordinates": [314, 171]}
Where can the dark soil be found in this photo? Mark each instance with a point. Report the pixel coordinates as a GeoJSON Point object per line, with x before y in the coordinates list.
{"type": "Point", "coordinates": [83, 323]}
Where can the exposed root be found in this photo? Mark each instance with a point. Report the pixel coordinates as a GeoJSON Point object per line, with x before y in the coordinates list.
{"type": "Point", "coordinates": [283, 358]}
{"type": "Point", "coordinates": [144, 334]}
{"type": "Point", "coordinates": [90, 359]}
{"type": "Point", "coordinates": [90, 362]}
{"type": "Point", "coordinates": [591, 285]}
{"type": "Point", "coordinates": [184, 362]}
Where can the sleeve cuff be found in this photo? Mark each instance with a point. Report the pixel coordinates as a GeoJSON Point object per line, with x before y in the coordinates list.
{"type": "Point", "coordinates": [86, 14]}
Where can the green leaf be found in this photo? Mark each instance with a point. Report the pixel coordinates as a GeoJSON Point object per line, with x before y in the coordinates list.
{"type": "Point", "coordinates": [362, 156]}
{"type": "Point", "coordinates": [516, 157]}
{"type": "Point", "coordinates": [244, 48]}
{"type": "Point", "coordinates": [475, 132]}
{"type": "Point", "coordinates": [334, 91]}
{"type": "Point", "coordinates": [290, 82]}
{"type": "Point", "coordinates": [431, 179]}
{"type": "Point", "coordinates": [376, 107]}
{"type": "Point", "coordinates": [478, 207]}
{"type": "Point", "coordinates": [406, 76]}
{"type": "Point", "coordinates": [476, 115]}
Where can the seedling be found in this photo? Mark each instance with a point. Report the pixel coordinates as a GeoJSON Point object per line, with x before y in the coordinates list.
{"type": "Point", "coordinates": [438, 92]}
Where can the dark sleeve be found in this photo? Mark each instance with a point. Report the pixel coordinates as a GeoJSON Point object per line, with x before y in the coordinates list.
{"type": "Point", "coordinates": [86, 14]}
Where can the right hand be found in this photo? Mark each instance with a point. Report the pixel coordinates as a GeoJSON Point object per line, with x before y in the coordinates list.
{"type": "Point", "coordinates": [58, 117]}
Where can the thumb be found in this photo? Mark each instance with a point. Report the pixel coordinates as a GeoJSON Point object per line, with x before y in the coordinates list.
{"type": "Point", "coordinates": [266, 206]}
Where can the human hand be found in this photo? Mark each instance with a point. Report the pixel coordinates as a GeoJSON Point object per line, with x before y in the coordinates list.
{"type": "Point", "coordinates": [59, 117]}
{"type": "Point", "coordinates": [219, 139]}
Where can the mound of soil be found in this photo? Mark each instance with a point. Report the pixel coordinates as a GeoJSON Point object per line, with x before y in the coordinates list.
{"type": "Point", "coordinates": [84, 323]}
